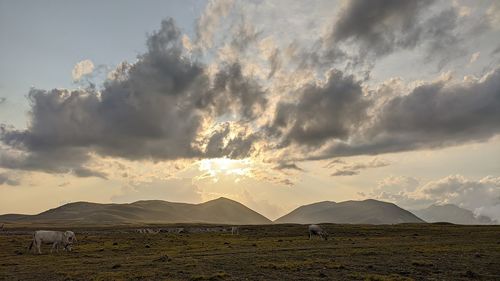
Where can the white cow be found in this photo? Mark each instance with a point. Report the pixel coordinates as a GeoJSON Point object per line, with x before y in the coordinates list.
{"type": "Point", "coordinates": [56, 238]}
{"type": "Point", "coordinates": [315, 229]}
{"type": "Point", "coordinates": [235, 230]}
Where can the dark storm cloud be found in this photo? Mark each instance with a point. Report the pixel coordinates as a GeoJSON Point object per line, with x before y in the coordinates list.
{"type": "Point", "coordinates": [366, 31]}
{"type": "Point", "coordinates": [318, 56]}
{"type": "Point", "coordinates": [433, 115]}
{"type": "Point", "coordinates": [441, 37]}
{"type": "Point", "coordinates": [234, 92]}
{"type": "Point", "coordinates": [336, 119]}
{"type": "Point", "coordinates": [379, 26]}
{"type": "Point", "coordinates": [322, 112]}
{"type": "Point", "coordinates": [237, 147]}
{"type": "Point", "coordinates": [56, 160]}
{"type": "Point", "coordinates": [152, 109]}
{"type": "Point", "coordinates": [141, 114]}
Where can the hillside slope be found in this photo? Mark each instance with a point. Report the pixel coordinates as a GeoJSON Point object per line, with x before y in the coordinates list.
{"type": "Point", "coordinates": [451, 213]}
{"type": "Point", "coordinates": [218, 211]}
{"type": "Point", "coordinates": [355, 212]}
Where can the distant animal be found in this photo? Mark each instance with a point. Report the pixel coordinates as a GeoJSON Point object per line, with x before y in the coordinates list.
{"type": "Point", "coordinates": [147, 231]}
{"type": "Point", "coordinates": [235, 230]}
{"type": "Point", "coordinates": [58, 239]}
{"type": "Point", "coordinates": [315, 229]}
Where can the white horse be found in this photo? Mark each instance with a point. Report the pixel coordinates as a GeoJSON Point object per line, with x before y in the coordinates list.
{"type": "Point", "coordinates": [56, 238]}
{"type": "Point", "coordinates": [235, 230]}
{"type": "Point", "coordinates": [315, 229]}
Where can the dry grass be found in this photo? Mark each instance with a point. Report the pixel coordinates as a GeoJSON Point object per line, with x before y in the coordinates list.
{"type": "Point", "coordinates": [281, 252]}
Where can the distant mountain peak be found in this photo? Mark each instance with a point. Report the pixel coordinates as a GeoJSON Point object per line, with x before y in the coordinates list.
{"type": "Point", "coordinates": [222, 199]}
{"type": "Point", "coordinates": [373, 200]}
{"type": "Point", "coordinates": [325, 202]}
{"type": "Point", "coordinates": [451, 213]}
{"type": "Point", "coordinates": [369, 211]}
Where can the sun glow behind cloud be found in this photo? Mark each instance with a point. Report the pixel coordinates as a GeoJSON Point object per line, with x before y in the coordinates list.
{"type": "Point", "coordinates": [215, 168]}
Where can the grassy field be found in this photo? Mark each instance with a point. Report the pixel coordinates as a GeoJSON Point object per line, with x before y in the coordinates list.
{"type": "Point", "coordinates": [280, 252]}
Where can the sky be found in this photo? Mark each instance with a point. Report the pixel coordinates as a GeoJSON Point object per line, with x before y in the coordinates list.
{"type": "Point", "coordinates": [274, 104]}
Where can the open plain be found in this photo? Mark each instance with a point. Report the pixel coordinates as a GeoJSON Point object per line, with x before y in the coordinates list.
{"type": "Point", "coordinates": [260, 252]}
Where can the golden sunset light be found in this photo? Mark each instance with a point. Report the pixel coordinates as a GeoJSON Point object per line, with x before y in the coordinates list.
{"type": "Point", "coordinates": [249, 139]}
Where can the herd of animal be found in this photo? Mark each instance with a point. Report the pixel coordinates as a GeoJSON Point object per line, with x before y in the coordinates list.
{"type": "Point", "coordinates": [65, 240]}
{"type": "Point", "coordinates": [234, 230]}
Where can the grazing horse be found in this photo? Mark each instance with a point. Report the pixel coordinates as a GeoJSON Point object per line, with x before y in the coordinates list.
{"type": "Point", "coordinates": [315, 229]}
{"type": "Point", "coordinates": [235, 230]}
{"type": "Point", "coordinates": [56, 238]}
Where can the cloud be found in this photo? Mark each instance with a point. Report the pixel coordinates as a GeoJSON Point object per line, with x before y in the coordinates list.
{"type": "Point", "coordinates": [231, 85]}
{"type": "Point", "coordinates": [262, 206]}
{"type": "Point", "coordinates": [81, 69]}
{"type": "Point", "coordinates": [493, 14]}
{"type": "Point", "coordinates": [400, 190]}
{"type": "Point", "coordinates": [86, 172]}
{"type": "Point", "coordinates": [432, 115]}
{"type": "Point", "coordinates": [335, 162]}
{"type": "Point", "coordinates": [398, 183]}
{"type": "Point", "coordinates": [368, 30]}
{"type": "Point", "coordinates": [496, 50]}
{"type": "Point", "coordinates": [379, 26]}
{"type": "Point", "coordinates": [442, 38]}
{"type": "Point", "coordinates": [272, 53]}
{"type": "Point", "coordinates": [288, 166]}
{"type": "Point", "coordinates": [156, 108]}
{"type": "Point", "coordinates": [2, 100]}
{"type": "Point", "coordinates": [481, 196]}
{"type": "Point", "coordinates": [8, 179]}
{"type": "Point", "coordinates": [184, 100]}
{"type": "Point", "coordinates": [243, 35]}
{"type": "Point", "coordinates": [275, 62]}
{"type": "Point", "coordinates": [350, 169]}
{"type": "Point", "coordinates": [209, 21]}
{"type": "Point", "coordinates": [173, 190]}
{"type": "Point", "coordinates": [54, 160]}
{"type": "Point", "coordinates": [344, 173]}
{"type": "Point", "coordinates": [323, 111]}
{"type": "Point", "coordinates": [223, 143]}
{"type": "Point", "coordinates": [474, 57]}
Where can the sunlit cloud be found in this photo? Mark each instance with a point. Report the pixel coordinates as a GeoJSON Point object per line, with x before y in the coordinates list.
{"type": "Point", "coordinates": [221, 167]}
{"type": "Point", "coordinates": [81, 69]}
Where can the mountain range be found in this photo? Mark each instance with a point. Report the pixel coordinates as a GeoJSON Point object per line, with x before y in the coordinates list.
{"type": "Point", "coordinates": [451, 213]}
{"type": "Point", "coordinates": [226, 211]}
{"type": "Point", "coordinates": [218, 211]}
